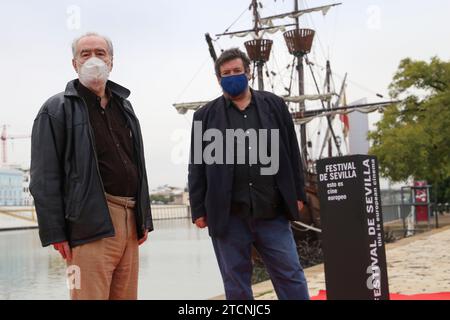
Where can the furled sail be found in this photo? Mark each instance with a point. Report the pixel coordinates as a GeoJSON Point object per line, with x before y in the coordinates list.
{"type": "Point", "coordinates": [296, 14]}
{"type": "Point", "coordinates": [182, 108]}
{"type": "Point", "coordinates": [308, 116]}
{"type": "Point", "coordinates": [310, 97]}
{"type": "Point", "coordinates": [260, 34]}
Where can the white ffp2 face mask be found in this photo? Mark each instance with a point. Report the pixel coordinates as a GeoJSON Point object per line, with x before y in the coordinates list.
{"type": "Point", "coordinates": [93, 72]}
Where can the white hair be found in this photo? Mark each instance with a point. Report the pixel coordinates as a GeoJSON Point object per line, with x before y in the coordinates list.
{"type": "Point", "coordinates": [108, 41]}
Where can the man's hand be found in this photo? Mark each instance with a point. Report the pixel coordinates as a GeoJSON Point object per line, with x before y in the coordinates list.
{"type": "Point", "coordinates": [144, 238]}
{"type": "Point", "coordinates": [201, 222]}
{"type": "Point", "coordinates": [64, 250]}
{"type": "Point", "coordinates": [300, 205]}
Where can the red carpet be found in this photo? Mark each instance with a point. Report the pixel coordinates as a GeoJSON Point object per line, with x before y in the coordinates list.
{"type": "Point", "coordinates": [428, 296]}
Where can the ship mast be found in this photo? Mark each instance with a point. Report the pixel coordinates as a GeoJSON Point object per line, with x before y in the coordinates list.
{"type": "Point", "coordinates": [259, 64]}
{"type": "Point", "coordinates": [259, 49]}
{"type": "Point", "coordinates": [328, 84]}
{"type": "Point", "coordinates": [301, 91]}
{"type": "Point", "coordinates": [299, 42]}
{"type": "Point", "coordinates": [212, 50]}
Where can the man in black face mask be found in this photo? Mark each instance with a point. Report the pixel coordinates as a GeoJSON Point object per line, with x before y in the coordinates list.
{"type": "Point", "coordinates": [240, 200]}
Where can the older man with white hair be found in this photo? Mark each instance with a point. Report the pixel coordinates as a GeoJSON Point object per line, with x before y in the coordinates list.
{"type": "Point", "coordinates": [88, 177]}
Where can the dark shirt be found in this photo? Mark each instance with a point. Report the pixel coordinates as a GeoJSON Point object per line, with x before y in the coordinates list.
{"type": "Point", "coordinates": [114, 144]}
{"type": "Point", "coordinates": [254, 195]}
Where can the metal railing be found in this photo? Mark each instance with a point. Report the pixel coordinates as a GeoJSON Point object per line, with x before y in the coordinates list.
{"type": "Point", "coordinates": [27, 213]}
{"type": "Point", "coordinates": [395, 212]}
{"type": "Point", "coordinates": [168, 212]}
{"type": "Point", "coordinates": [159, 212]}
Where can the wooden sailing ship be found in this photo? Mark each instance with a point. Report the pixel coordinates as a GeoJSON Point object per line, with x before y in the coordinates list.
{"type": "Point", "coordinates": [299, 42]}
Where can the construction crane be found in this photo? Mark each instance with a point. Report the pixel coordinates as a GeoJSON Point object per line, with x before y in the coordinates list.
{"type": "Point", "coordinates": [4, 137]}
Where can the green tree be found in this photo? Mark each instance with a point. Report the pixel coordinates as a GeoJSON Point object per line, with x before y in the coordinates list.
{"type": "Point", "coordinates": [413, 138]}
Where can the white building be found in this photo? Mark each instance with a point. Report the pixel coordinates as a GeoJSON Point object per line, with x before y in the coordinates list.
{"type": "Point", "coordinates": [11, 187]}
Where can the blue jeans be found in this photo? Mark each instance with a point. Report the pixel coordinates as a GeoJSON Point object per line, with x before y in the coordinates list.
{"type": "Point", "coordinates": [275, 243]}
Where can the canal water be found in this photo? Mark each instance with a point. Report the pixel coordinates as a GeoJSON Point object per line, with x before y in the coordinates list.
{"type": "Point", "coordinates": [176, 262]}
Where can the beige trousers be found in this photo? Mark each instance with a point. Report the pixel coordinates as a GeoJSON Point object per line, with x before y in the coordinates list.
{"type": "Point", "coordinates": [107, 269]}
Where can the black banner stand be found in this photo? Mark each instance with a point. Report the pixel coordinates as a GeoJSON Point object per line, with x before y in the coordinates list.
{"type": "Point", "coordinates": [352, 228]}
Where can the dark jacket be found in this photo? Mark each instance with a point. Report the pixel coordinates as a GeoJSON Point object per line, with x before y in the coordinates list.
{"type": "Point", "coordinates": [210, 186]}
{"type": "Point", "coordinates": [65, 180]}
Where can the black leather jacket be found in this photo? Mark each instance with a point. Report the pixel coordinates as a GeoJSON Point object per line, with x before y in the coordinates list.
{"type": "Point", "coordinates": [65, 181]}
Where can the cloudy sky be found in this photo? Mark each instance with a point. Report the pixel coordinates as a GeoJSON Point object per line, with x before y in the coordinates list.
{"type": "Point", "coordinates": [161, 56]}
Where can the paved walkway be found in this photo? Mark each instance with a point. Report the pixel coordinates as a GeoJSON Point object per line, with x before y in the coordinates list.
{"type": "Point", "coordinates": [420, 264]}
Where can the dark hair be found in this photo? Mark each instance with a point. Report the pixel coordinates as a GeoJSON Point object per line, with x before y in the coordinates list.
{"type": "Point", "coordinates": [231, 54]}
